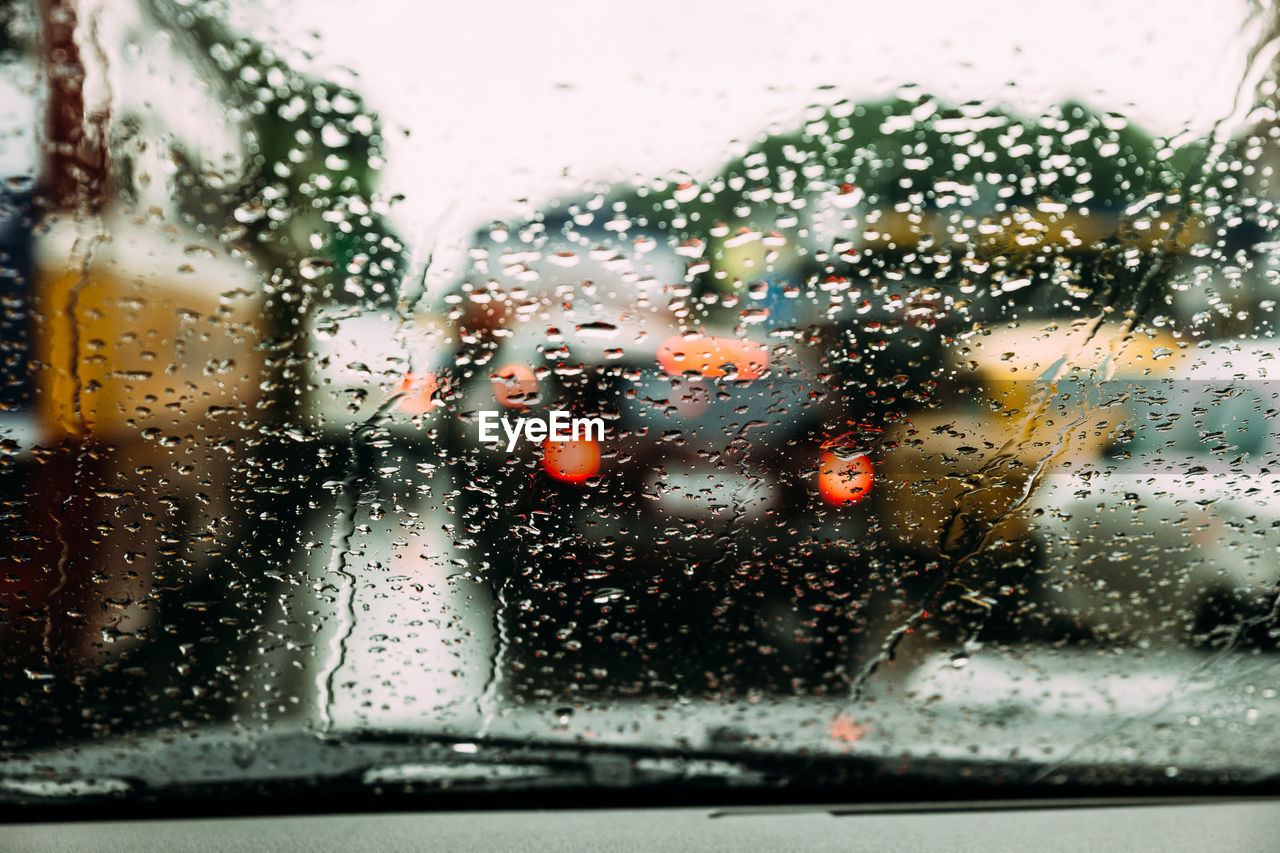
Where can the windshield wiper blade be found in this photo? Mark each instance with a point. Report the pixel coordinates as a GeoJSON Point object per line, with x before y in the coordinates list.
{"type": "Point", "coordinates": [166, 766]}
{"type": "Point", "coordinates": [557, 769]}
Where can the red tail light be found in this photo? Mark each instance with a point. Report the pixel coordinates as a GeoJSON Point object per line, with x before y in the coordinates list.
{"type": "Point", "coordinates": [514, 386]}
{"type": "Point", "coordinates": [709, 355]}
{"type": "Point", "coordinates": [418, 389]}
{"type": "Point", "coordinates": [843, 482]}
{"type": "Point", "coordinates": [573, 461]}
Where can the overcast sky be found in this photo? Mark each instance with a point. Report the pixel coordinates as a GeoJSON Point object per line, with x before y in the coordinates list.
{"type": "Point", "coordinates": [503, 100]}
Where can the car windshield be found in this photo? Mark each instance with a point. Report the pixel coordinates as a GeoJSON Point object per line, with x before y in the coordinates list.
{"type": "Point", "coordinates": [505, 397]}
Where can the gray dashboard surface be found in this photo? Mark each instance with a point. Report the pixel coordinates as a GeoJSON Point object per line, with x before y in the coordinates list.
{"type": "Point", "coordinates": [1217, 825]}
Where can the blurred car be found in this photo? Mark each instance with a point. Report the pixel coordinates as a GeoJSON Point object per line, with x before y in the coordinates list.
{"type": "Point", "coordinates": [1171, 534]}
{"type": "Point", "coordinates": [710, 493]}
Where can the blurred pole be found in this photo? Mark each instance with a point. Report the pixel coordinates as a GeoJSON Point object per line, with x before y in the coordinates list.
{"type": "Point", "coordinates": [73, 180]}
{"type": "Point", "coordinates": [75, 173]}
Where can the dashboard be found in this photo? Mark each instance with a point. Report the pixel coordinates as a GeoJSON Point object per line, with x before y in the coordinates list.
{"type": "Point", "coordinates": [1193, 824]}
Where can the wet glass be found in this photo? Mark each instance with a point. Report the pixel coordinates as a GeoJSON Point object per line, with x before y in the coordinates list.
{"type": "Point", "coordinates": [685, 384]}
